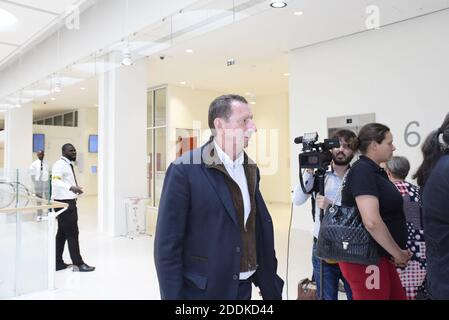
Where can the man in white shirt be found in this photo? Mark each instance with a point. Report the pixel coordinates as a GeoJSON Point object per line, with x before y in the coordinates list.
{"type": "Point", "coordinates": [39, 176]}
{"type": "Point", "coordinates": [214, 236]}
{"type": "Point", "coordinates": [65, 189]}
{"type": "Point", "coordinates": [341, 158]}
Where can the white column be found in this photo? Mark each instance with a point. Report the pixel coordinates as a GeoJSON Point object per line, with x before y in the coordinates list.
{"type": "Point", "coordinates": [19, 141]}
{"type": "Point", "coordinates": [122, 127]}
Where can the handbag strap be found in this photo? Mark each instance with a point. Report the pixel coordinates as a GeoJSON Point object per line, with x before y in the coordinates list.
{"type": "Point", "coordinates": [342, 185]}
{"type": "Point", "coordinates": [340, 189]}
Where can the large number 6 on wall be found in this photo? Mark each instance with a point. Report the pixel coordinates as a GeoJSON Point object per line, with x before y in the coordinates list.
{"type": "Point", "coordinates": [408, 134]}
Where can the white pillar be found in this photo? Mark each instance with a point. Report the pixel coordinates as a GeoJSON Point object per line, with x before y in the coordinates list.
{"type": "Point", "coordinates": [122, 116]}
{"type": "Point", "coordinates": [18, 142]}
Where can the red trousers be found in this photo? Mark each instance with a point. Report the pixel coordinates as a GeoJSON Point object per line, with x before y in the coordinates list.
{"type": "Point", "coordinates": [376, 282]}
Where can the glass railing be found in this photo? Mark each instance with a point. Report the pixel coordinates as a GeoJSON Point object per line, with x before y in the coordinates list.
{"type": "Point", "coordinates": [27, 222]}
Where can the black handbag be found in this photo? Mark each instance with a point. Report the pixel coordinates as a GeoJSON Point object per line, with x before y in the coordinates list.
{"type": "Point", "coordinates": [343, 236]}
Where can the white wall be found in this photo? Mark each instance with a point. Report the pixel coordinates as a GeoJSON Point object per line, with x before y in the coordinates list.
{"type": "Point", "coordinates": [2, 155]}
{"type": "Point", "coordinates": [57, 136]}
{"type": "Point", "coordinates": [188, 108]}
{"type": "Point", "coordinates": [122, 144]}
{"type": "Point", "coordinates": [87, 124]}
{"type": "Point", "coordinates": [2, 152]}
{"type": "Point", "coordinates": [273, 144]}
{"type": "Point", "coordinates": [400, 72]}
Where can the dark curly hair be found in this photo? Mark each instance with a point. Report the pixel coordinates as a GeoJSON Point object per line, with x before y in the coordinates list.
{"type": "Point", "coordinates": [432, 149]}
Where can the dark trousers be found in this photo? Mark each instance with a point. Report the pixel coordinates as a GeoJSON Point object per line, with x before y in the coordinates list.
{"type": "Point", "coordinates": [68, 230]}
{"type": "Point", "coordinates": [41, 191]}
{"type": "Point", "coordinates": [331, 277]}
{"type": "Point", "coordinates": [245, 289]}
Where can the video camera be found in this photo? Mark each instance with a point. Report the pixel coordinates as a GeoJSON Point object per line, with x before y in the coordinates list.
{"type": "Point", "coordinates": [315, 155]}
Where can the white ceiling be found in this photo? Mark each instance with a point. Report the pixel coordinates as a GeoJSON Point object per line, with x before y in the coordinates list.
{"type": "Point", "coordinates": [259, 45]}
{"type": "Point", "coordinates": [34, 17]}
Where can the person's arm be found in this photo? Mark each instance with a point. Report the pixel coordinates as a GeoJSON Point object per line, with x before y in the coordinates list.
{"type": "Point", "coordinates": [369, 210]}
{"type": "Point", "coordinates": [299, 197]}
{"type": "Point", "coordinates": [170, 230]}
{"type": "Point", "coordinates": [57, 176]}
{"type": "Point", "coordinates": [32, 171]}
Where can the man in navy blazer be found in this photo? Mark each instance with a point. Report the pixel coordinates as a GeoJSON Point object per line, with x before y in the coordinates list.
{"type": "Point", "coordinates": [214, 234]}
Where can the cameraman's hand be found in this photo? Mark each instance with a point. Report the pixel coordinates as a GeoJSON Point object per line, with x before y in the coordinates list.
{"type": "Point", "coordinates": [322, 202]}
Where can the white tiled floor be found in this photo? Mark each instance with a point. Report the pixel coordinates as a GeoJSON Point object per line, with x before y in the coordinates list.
{"type": "Point", "coordinates": [125, 268]}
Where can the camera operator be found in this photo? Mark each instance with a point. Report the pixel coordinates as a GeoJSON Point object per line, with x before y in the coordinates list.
{"type": "Point", "coordinates": [341, 159]}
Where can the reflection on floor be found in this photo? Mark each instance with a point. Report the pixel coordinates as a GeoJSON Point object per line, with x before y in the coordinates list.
{"type": "Point", "coordinates": [125, 268]}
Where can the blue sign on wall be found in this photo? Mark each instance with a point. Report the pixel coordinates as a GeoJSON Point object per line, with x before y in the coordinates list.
{"type": "Point", "coordinates": [38, 142]}
{"type": "Point", "coordinates": [93, 143]}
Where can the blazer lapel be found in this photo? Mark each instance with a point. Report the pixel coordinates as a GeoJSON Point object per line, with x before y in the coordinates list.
{"type": "Point", "coordinates": [217, 181]}
{"type": "Point", "coordinates": [211, 164]}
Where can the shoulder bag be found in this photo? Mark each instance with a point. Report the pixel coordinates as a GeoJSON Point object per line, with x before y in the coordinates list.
{"type": "Point", "coordinates": [343, 237]}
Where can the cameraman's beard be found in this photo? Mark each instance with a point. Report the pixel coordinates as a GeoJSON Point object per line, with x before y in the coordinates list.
{"type": "Point", "coordinates": [344, 162]}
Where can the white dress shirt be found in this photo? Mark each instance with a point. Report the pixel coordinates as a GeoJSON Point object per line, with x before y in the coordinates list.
{"type": "Point", "coordinates": [332, 184]}
{"type": "Point", "coordinates": [237, 173]}
{"type": "Point", "coordinates": [39, 170]}
{"type": "Point", "coordinates": [62, 180]}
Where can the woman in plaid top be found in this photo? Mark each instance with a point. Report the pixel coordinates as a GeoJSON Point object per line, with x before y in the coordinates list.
{"type": "Point", "coordinates": [413, 275]}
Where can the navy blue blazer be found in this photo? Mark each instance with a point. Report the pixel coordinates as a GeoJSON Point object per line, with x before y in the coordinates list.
{"type": "Point", "coordinates": [197, 240]}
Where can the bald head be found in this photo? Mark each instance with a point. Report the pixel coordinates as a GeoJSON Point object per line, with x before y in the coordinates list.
{"type": "Point", "coordinates": [40, 155]}
{"type": "Point", "coordinates": [69, 151]}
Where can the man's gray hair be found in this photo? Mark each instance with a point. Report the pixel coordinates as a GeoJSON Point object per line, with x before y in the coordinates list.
{"type": "Point", "coordinates": [399, 167]}
{"type": "Point", "coordinates": [221, 107]}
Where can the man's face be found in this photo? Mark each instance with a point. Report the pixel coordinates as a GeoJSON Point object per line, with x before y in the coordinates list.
{"type": "Point", "coordinates": [40, 155]}
{"type": "Point", "coordinates": [342, 156]}
{"type": "Point", "coordinates": [70, 153]}
{"type": "Point", "coordinates": [236, 131]}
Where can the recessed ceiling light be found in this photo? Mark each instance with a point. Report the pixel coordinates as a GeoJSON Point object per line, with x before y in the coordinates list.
{"type": "Point", "coordinates": [7, 19]}
{"type": "Point", "coordinates": [52, 98]}
{"type": "Point", "coordinates": [82, 88]}
{"type": "Point", "coordinates": [298, 13]}
{"type": "Point", "coordinates": [182, 82]}
{"type": "Point", "coordinates": [252, 102]}
{"type": "Point", "coordinates": [189, 50]}
{"type": "Point", "coordinates": [286, 74]}
{"type": "Point", "coordinates": [278, 4]}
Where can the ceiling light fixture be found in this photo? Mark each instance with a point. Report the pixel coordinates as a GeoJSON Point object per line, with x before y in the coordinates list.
{"type": "Point", "coordinates": [189, 50]}
{"type": "Point", "coordinates": [127, 61]}
{"type": "Point", "coordinates": [52, 98]}
{"type": "Point", "coordinates": [183, 83]}
{"type": "Point", "coordinates": [278, 4]}
{"type": "Point", "coordinates": [286, 74]}
{"type": "Point", "coordinates": [7, 19]}
{"type": "Point", "coordinates": [298, 13]}
{"type": "Point", "coordinates": [82, 88]}
{"type": "Point", "coordinates": [57, 85]}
